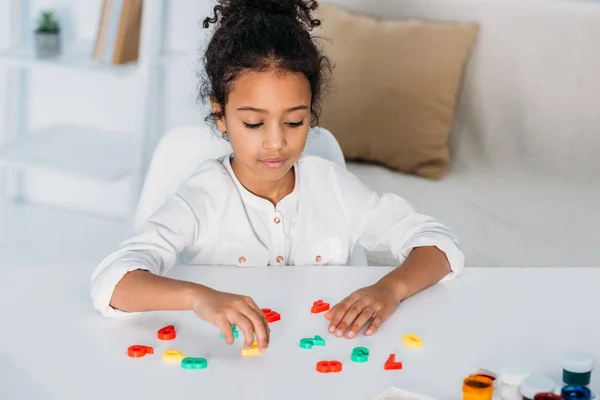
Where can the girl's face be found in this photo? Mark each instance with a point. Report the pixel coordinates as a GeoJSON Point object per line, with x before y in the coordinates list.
{"type": "Point", "coordinates": [267, 119]}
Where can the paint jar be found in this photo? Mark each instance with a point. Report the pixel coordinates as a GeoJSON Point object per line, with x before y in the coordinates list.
{"type": "Point", "coordinates": [577, 369]}
{"type": "Point", "coordinates": [478, 387]}
{"type": "Point", "coordinates": [575, 392]}
{"type": "Point", "coordinates": [547, 396]}
{"type": "Point", "coordinates": [509, 382]}
{"type": "Point", "coordinates": [535, 384]}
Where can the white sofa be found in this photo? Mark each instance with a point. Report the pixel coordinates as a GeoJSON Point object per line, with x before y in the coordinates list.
{"type": "Point", "coordinates": [524, 186]}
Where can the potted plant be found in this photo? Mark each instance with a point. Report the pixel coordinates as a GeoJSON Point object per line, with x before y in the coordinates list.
{"type": "Point", "coordinates": [47, 36]}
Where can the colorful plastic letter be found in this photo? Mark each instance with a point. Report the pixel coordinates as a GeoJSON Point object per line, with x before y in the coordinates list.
{"type": "Point", "coordinates": [193, 363]}
{"type": "Point", "coordinates": [172, 355]}
{"type": "Point", "coordinates": [360, 354]}
{"type": "Point", "coordinates": [138, 350]}
{"type": "Point", "coordinates": [391, 363]}
{"type": "Point", "coordinates": [326, 367]}
{"type": "Point", "coordinates": [319, 306]}
{"type": "Point", "coordinates": [167, 333]}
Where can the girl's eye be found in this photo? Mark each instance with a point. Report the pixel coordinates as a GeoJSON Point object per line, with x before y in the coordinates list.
{"type": "Point", "coordinates": [296, 124]}
{"type": "Point", "coordinates": [252, 126]}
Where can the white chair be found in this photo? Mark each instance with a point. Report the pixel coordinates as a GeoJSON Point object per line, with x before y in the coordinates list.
{"type": "Point", "coordinates": [182, 149]}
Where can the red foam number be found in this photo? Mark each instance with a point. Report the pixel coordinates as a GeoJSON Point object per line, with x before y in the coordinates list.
{"type": "Point", "coordinates": [167, 333]}
{"type": "Point", "coordinates": [319, 306]}
{"type": "Point", "coordinates": [391, 363]}
{"type": "Point", "coordinates": [326, 367]}
{"type": "Point", "coordinates": [271, 315]}
{"type": "Point", "coordinates": [137, 351]}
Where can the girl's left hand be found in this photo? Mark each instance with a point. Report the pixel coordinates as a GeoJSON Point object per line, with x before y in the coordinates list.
{"type": "Point", "coordinates": [377, 301]}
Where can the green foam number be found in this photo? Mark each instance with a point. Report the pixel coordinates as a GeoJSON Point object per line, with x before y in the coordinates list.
{"type": "Point", "coordinates": [360, 354]}
{"type": "Point", "coordinates": [308, 343]}
{"type": "Point", "coordinates": [234, 330]}
{"type": "Point", "coordinates": [194, 363]}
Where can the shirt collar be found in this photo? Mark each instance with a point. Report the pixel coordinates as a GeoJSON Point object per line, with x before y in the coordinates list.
{"type": "Point", "coordinates": [258, 202]}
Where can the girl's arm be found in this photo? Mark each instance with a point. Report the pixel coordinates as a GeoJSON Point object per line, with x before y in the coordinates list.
{"type": "Point", "coordinates": [427, 252]}
{"type": "Point", "coordinates": [153, 292]}
{"type": "Point", "coordinates": [423, 267]}
{"type": "Point", "coordinates": [132, 279]}
{"type": "Point", "coordinates": [115, 289]}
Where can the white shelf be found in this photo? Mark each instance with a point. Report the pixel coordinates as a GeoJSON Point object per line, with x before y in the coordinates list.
{"type": "Point", "coordinates": [33, 234]}
{"type": "Point", "coordinates": [77, 59]}
{"type": "Point", "coordinates": [79, 151]}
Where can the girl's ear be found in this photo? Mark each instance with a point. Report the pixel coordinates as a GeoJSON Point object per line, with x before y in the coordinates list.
{"type": "Point", "coordinates": [216, 109]}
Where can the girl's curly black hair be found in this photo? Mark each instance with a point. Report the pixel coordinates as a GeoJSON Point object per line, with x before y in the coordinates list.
{"type": "Point", "coordinates": [259, 35]}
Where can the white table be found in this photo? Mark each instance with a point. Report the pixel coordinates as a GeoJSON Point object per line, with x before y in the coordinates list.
{"type": "Point", "coordinates": [54, 345]}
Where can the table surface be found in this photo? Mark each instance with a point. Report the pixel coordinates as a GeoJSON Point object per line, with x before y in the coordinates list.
{"type": "Point", "coordinates": [54, 345]}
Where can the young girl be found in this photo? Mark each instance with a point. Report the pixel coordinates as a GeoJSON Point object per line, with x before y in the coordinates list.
{"type": "Point", "coordinates": [266, 204]}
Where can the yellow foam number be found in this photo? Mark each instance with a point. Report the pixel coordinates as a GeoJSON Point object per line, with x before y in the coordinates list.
{"type": "Point", "coordinates": [172, 356]}
{"type": "Point", "coordinates": [412, 341]}
{"type": "Point", "coordinates": [252, 351]}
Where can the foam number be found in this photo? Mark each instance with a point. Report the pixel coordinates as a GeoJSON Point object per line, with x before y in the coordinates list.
{"type": "Point", "coordinates": [412, 341]}
{"type": "Point", "coordinates": [327, 367]}
{"type": "Point", "coordinates": [172, 356]}
{"type": "Point", "coordinates": [138, 351]}
{"type": "Point", "coordinates": [270, 315]}
{"type": "Point", "coordinates": [234, 331]}
{"type": "Point", "coordinates": [308, 343]}
{"type": "Point", "coordinates": [319, 306]}
{"type": "Point", "coordinates": [360, 354]}
{"type": "Point", "coordinates": [167, 333]}
{"type": "Point", "coordinates": [252, 351]}
{"type": "Point", "coordinates": [194, 363]}
{"type": "Point", "coordinates": [391, 363]}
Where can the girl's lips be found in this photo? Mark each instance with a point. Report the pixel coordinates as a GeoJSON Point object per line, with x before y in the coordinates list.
{"type": "Point", "coordinates": [273, 163]}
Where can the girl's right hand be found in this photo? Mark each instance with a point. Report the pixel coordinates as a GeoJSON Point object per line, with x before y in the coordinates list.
{"type": "Point", "coordinates": [226, 309]}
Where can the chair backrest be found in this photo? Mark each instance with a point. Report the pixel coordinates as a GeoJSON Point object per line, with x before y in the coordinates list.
{"type": "Point", "coordinates": [182, 149]}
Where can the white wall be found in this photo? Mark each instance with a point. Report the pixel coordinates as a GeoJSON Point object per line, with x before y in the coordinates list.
{"type": "Point", "coordinates": [93, 99]}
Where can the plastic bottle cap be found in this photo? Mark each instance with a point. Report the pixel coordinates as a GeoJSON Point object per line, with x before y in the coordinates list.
{"type": "Point", "coordinates": [578, 363]}
{"type": "Point", "coordinates": [535, 384]}
{"type": "Point", "coordinates": [513, 374]}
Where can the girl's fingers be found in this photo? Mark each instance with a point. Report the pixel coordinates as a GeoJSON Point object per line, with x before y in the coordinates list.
{"type": "Point", "coordinates": [337, 313]}
{"type": "Point", "coordinates": [349, 318]}
{"type": "Point", "coordinates": [262, 331]}
{"type": "Point", "coordinates": [379, 318]}
{"type": "Point", "coordinates": [261, 315]}
{"type": "Point", "coordinates": [225, 326]}
{"type": "Point", "coordinates": [247, 327]}
{"type": "Point", "coordinates": [360, 322]}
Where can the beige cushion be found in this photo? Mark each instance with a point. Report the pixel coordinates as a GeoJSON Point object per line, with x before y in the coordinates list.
{"type": "Point", "coordinates": [394, 88]}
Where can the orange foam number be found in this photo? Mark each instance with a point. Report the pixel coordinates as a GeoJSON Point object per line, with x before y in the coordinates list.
{"type": "Point", "coordinates": [167, 333]}
{"type": "Point", "coordinates": [137, 351]}
{"type": "Point", "coordinates": [271, 315]}
{"type": "Point", "coordinates": [391, 363]}
{"type": "Point", "coordinates": [326, 367]}
{"type": "Point", "coordinates": [319, 306]}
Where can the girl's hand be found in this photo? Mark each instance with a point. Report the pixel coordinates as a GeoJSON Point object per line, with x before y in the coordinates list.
{"type": "Point", "coordinates": [377, 302]}
{"type": "Point", "coordinates": [225, 309]}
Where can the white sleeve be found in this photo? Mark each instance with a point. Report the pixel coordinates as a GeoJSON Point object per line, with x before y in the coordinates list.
{"type": "Point", "coordinates": [389, 223]}
{"type": "Point", "coordinates": [154, 248]}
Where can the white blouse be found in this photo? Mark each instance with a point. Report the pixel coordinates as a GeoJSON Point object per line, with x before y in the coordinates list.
{"type": "Point", "coordinates": [214, 220]}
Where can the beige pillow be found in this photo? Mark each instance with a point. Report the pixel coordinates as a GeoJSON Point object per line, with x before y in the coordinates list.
{"type": "Point", "coordinates": [394, 88]}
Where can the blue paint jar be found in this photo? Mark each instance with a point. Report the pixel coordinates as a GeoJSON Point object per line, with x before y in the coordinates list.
{"type": "Point", "coordinates": [577, 369]}
{"type": "Point", "coordinates": [575, 392]}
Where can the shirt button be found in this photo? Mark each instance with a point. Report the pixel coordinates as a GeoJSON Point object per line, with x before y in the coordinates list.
{"type": "Point", "coordinates": [242, 259]}
{"type": "Point", "coordinates": [277, 220]}
{"type": "Point", "coordinates": [279, 259]}
{"type": "Point", "coordinates": [318, 258]}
